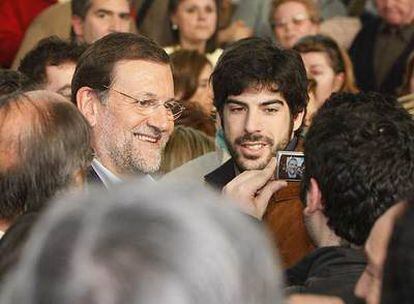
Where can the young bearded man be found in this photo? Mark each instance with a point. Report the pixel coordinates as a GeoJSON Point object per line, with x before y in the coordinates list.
{"type": "Point", "coordinates": [260, 92]}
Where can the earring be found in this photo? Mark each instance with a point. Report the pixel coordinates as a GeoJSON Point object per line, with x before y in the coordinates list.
{"type": "Point", "coordinates": [174, 27]}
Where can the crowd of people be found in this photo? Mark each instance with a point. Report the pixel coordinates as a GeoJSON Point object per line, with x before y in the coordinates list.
{"type": "Point", "coordinates": [139, 143]}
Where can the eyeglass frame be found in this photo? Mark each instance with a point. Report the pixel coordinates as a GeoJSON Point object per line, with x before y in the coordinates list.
{"type": "Point", "coordinates": [137, 101]}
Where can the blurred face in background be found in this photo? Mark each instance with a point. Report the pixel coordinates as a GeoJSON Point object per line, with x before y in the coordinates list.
{"type": "Point", "coordinates": [103, 17]}
{"type": "Point", "coordinates": [196, 21]}
{"type": "Point", "coordinates": [203, 95]}
{"type": "Point", "coordinates": [292, 21]}
{"type": "Point", "coordinates": [369, 284]}
{"type": "Point", "coordinates": [59, 78]}
{"type": "Point", "coordinates": [396, 12]}
{"type": "Point", "coordinates": [318, 67]}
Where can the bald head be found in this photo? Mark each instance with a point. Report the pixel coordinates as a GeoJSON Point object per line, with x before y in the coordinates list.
{"type": "Point", "coordinates": [44, 141]}
{"type": "Point", "coordinates": [21, 116]}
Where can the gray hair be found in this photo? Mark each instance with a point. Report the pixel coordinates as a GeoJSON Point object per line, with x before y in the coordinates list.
{"type": "Point", "coordinates": [146, 244]}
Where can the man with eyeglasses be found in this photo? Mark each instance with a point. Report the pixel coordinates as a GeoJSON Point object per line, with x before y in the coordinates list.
{"type": "Point", "coordinates": [123, 85]}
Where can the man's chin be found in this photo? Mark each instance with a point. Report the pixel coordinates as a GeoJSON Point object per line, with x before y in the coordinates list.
{"type": "Point", "coordinates": [252, 164]}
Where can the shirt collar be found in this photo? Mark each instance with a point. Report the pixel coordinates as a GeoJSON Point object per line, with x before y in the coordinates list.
{"type": "Point", "coordinates": [110, 179]}
{"type": "Point", "coordinates": [107, 177]}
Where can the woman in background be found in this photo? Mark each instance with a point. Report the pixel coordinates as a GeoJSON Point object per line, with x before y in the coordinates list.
{"type": "Point", "coordinates": [194, 25]}
{"type": "Point", "coordinates": [294, 19]}
{"type": "Point", "coordinates": [329, 65]}
{"type": "Point", "coordinates": [191, 73]}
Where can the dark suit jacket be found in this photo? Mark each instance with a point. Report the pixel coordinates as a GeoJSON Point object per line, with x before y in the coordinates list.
{"type": "Point", "coordinates": [362, 55]}
{"type": "Point", "coordinates": [332, 271]}
{"type": "Point", "coordinates": [283, 216]}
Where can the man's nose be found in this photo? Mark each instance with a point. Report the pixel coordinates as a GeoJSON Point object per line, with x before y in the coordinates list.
{"type": "Point", "coordinates": [116, 24]}
{"type": "Point", "coordinates": [289, 25]}
{"type": "Point", "coordinates": [161, 118]}
{"type": "Point", "coordinates": [253, 123]}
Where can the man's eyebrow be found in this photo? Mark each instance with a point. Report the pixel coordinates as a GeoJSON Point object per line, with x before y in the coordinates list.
{"type": "Point", "coordinates": [240, 103]}
{"type": "Point", "coordinates": [147, 95]}
{"type": "Point", "coordinates": [102, 10]}
{"type": "Point", "coordinates": [263, 103]}
{"type": "Point", "coordinates": [153, 96]}
{"type": "Point", "coordinates": [124, 14]}
{"type": "Point", "coordinates": [273, 101]}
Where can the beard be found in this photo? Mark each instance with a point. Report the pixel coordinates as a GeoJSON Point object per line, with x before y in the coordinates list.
{"type": "Point", "coordinates": [134, 162]}
{"type": "Point", "coordinates": [129, 155]}
{"type": "Point", "coordinates": [253, 162]}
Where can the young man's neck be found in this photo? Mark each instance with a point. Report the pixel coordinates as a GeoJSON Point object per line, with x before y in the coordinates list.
{"type": "Point", "coordinates": [328, 238]}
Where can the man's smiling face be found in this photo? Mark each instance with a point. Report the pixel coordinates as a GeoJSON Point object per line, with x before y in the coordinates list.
{"type": "Point", "coordinates": [128, 141]}
{"type": "Point", "coordinates": [256, 124]}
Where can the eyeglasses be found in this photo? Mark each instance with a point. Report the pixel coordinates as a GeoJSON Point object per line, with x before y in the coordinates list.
{"type": "Point", "coordinates": [147, 106]}
{"type": "Point", "coordinates": [297, 19]}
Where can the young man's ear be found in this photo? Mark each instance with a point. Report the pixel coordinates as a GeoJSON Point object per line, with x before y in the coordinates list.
{"type": "Point", "coordinates": [313, 198]}
{"type": "Point", "coordinates": [298, 120]}
{"type": "Point", "coordinates": [77, 26]}
{"type": "Point", "coordinates": [88, 104]}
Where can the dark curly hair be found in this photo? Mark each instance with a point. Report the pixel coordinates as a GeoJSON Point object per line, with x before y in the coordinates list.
{"type": "Point", "coordinates": [256, 62]}
{"type": "Point", "coordinates": [360, 150]}
{"type": "Point", "coordinates": [50, 51]}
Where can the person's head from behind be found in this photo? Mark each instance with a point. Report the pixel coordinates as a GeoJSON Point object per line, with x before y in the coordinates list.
{"type": "Point", "coordinates": [13, 242]}
{"type": "Point", "coordinates": [44, 148]}
{"type": "Point", "coordinates": [260, 92]}
{"type": "Point", "coordinates": [359, 160]}
{"type": "Point", "coordinates": [397, 284]}
{"type": "Point", "coordinates": [327, 63]}
{"type": "Point", "coordinates": [396, 12]}
{"type": "Point", "coordinates": [294, 19]}
{"type": "Point", "coordinates": [370, 283]}
{"type": "Point", "coordinates": [123, 85]}
{"type": "Point", "coordinates": [12, 81]}
{"type": "Point", "coordinates": [94, 19]}
{"type": "Point", "coordinates": [146, 244]}
{"type": "Point", "coordinates": [184, 145]}
{"type": "Point", "coordinates": [50, 65]}
{"type": "Point", "coordinates": [408, 82]}
{"type": "Point", "coordinates": [191, 72]}
{"type": "Point", "coordinates": [194, 23]}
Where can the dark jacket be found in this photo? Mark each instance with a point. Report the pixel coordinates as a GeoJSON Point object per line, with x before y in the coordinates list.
{"type": "Point", "coordinates": [330, 271]}
{"type": "Point", "coordinates": [362, 55]}
{"type": "Point", "coordinates": [283, 216]}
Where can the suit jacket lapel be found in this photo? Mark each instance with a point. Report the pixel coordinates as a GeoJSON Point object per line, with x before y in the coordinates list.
{"type": "Point", "coordinates": [221, 176]}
